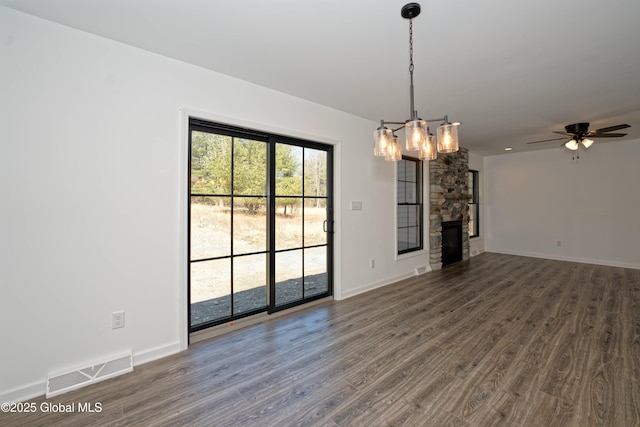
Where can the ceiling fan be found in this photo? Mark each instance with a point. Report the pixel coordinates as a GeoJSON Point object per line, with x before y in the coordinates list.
{"type": "Point", "coordinates": [580, 133]}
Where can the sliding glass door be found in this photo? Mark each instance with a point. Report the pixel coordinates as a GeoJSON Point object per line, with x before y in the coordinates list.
{"type": "Point", "coordinates": [259, 223]}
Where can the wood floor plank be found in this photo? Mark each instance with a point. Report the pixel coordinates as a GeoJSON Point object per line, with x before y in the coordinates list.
{"type": "Point", "coordinates": [481, 386]}
{"type": "Point", "coordinates": [412, 416]}
{"type": "Point", "coordinates": [548, 411]}
{"type": "Point", "coordinates": [505, 409]}
{"type": "Point", "coordinates": [499, 340]}
{"type": "Point", "coordinates": [565, 371]}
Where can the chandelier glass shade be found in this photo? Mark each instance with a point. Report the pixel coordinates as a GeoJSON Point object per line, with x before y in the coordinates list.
{"type": "Point", "coordinates": [381, 139]}
{"type": "Point", "coordinates": [428, 149]}
{"type": "Point", "coordinates": [416, 133]}
{"type": "Point", "coordinates": [447, 137]}
{"type": "Point", "coordinates": [394, 150]}
{"type": "Point", "coordinates": [416, 130]}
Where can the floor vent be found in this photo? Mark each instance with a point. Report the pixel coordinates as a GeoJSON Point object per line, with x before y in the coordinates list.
{"type": "Point", "coordinates": [76, 378]}
{"type": "Point", "coordinates": [421, 270]}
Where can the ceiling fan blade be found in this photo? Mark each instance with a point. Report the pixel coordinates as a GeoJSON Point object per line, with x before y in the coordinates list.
{"type": "Point", "coordinates": [607, 135]}
{"type": "Point", "coordinates": [546, 140]}
{"type": "Point", "coordinates": [563, 133]}
{"type": "Point", "coordinates": [610, 129]}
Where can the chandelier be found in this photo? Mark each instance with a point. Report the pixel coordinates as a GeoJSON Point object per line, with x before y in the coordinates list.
{"type": "Point", "coordinates": [416, 130]}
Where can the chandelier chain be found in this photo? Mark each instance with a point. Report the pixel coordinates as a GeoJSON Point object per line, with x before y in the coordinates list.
{"type": "Point", "coordinates": [411, 46]}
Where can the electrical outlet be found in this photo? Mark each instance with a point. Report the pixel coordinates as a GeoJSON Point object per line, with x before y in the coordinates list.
{"type": "Point", "coordinates": [117, 319]}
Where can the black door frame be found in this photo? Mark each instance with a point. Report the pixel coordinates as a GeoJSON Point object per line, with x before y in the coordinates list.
{"type": "Point", "coordinates": [274, 139]}
{"type": "Point", "coordinates": [196, 124]}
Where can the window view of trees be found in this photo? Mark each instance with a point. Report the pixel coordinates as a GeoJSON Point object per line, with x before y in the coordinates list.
{"type": "Point", "coordinates": [211, 164]}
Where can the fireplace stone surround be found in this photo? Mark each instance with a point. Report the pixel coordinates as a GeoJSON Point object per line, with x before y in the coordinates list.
{"type": "Point", "coordinates": [448, 201]}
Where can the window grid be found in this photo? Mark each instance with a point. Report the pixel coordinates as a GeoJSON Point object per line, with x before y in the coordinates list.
{"type": "Point", "coordinates": [409, 209]}
{"type": "Point", "coordinates": [474, 204]}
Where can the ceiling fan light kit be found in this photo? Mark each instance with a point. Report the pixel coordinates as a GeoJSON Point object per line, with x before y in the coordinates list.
{"type": "Point", "coordinates": [587, 142]}
{"type": "Point", "coordinates": [579, 133]}
{"type": "Point", "coordinates": [572, 145]}
{"type": "Point", "coordinates": [416, 130]}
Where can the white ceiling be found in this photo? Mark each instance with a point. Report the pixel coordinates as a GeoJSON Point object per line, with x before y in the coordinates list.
{"type": "Point", "coordinates": [510, 71]}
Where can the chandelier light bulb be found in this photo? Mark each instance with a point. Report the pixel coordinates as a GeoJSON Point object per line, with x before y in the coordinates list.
{"type": "Point", "coordinates": [416, 137]}
{"type": "Point", "coordinates": [446, 143]}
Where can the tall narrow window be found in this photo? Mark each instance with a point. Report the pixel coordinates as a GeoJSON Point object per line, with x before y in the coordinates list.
{"type": "Point", "coordinates": [474, 205]}
{"type": "Point", "coordinates": [409, 215]}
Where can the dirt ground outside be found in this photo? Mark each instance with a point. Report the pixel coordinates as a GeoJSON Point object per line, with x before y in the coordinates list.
{"type": "Point", "coordinates": [211, 236]}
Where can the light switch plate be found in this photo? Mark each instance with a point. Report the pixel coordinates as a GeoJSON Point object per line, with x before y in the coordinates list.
{"type": "Point", "coordinates": [356, 205]}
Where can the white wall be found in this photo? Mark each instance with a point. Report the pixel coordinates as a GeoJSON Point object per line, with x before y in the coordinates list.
{"type": "Point", "coordinates": [591, 206]}
{"type": "Point", "coordinates": [92, 176]}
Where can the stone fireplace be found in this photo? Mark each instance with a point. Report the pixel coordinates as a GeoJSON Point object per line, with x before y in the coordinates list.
{"type": "Point", "coordinates": [448, 203]}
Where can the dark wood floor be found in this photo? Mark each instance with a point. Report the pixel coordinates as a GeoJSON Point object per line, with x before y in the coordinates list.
{"type": "Point", "coordinates": [497, 340]}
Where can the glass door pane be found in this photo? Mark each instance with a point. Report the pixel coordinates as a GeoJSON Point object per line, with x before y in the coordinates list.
{"type": "Point", "coordinates": [315, 173]}
{"type": "Point", "coordinates": [289, 275]}
{"type": "Point", "coordinates": [315, 269]}
{"type": "Point", "coordinates": [228, 223]}
{"type": "Point", "coordinates": [210, 222]}
{"type": "Point", "coordinates": [289, 223]}
{"type": "Point", "coordinates": [315, 222]}
{"type": "Point", "coordinates": [301, 224]}
{"type": "Point", "coordinates": [250, 283]}
{"type": "Point", "coordinates": [210, 282]}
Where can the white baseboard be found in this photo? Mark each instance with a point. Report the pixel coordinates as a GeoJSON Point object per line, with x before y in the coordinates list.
{"type": "Point", "coordinates": [376, 285]}
{"type": "Point", "coordinates": [156, 353]}
{"type": "Point", "coordinates": [568, 258]}
{"type": "Point", "coordinates": [39, 388]}
{"type": "Point", "coordinates": [26, 392]}
{"type": "Point", "coordinates": [475, 252]}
